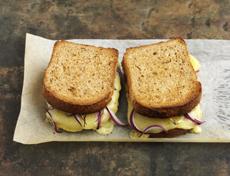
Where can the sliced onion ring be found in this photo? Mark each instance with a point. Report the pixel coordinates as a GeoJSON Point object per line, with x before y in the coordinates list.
{"type": "Point", "coordinates": [55, 126]}
{"type": "Point", "coordinates": [119, 73]}
{"type": "Point", "coordinates": [153, 127]}
{"type": "Point", "coordinates": [83, 118]}
{"type": "Point", "coordinates": [173, 121]}
{"type": "Point", "coordinates": [180, 120]}
{"type": "Point", "coordinates": [69, 114]}
{"type": "Point", "coordinates": [50, 108]}
{"type": "Point", "coordinates": [134, 126]}
{"type": "Point", "coordinates": [99, 115]}
{"type": "Point", "coordinates": [197, 71]}
{"type": "Point", "coordinates": [115, 119]}
{"type": "Point", "coordinates": [193, 119]}
{"type": "Point", "coordinates": [76, 116]}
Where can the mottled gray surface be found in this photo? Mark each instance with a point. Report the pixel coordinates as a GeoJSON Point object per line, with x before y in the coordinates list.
{"type": "Point", "coordinates": [112, 19]}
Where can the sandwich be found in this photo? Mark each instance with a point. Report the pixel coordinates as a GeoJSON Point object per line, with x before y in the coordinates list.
{"type": "Point", "coordinates": [162, 90]}
{"type": "Point", "coordinates": [81, 88]}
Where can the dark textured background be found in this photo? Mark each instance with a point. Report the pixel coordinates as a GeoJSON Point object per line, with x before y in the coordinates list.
{"type": "Point", "coordinates": [112, 19]}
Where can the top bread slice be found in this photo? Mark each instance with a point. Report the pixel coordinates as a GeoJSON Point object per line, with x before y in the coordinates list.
{"type": "Point", "coordinates": [80, 78]}
{"type": "Point", "coordinates": [161, 79]}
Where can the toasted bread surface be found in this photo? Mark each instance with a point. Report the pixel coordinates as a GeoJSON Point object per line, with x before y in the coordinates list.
{"type": "Point", "coordinates": [161, 80]}
{"type": "Point", "coordinates": [80, 78]}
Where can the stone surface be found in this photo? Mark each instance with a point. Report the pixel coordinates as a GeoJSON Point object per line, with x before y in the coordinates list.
{"type": "Point", "coordinates": [111, 19]}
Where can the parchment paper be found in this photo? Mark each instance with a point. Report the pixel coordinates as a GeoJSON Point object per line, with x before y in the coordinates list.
{"type": "Point", "coordinates": [214, 57]}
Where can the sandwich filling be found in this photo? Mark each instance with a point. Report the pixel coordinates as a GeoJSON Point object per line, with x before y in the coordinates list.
{"type": "Point", "coordinates": [181, 122]}
{"type": "Point", "coordinates": [90, 121]}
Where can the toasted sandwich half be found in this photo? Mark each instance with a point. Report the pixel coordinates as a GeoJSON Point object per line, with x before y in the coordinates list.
{"type": "Point", "coordinates": [163, 90]}
{"type": "Point", "coordinates": [81, 87]}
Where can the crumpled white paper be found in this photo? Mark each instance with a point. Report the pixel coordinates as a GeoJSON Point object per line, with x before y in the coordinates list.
{"type": "Point", "coordinates": [214, 57]}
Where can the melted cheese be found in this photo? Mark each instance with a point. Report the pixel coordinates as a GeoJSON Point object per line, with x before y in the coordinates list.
{"type": "Point", "coordinates": [195, 63]}
{"type": "Point", "coordinates": [143, 122]}
{"type": "Point", "coordinates": [69, 123]}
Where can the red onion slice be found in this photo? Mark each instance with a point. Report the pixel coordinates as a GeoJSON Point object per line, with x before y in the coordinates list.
{"type": "Point", "coordinates": [69, 114]}
{"type": "Point", "coordinates": [99, 115]}
{"type": "Point", "coordinates": [76, 116]}
{"type": "Point", "coordinates": [197, 71]}
{"type": "Point", "coordinates": [193, 119]}
{"type": "Point", "coordinates": [50, 108]}
{"type": "Point", "coordinates": [134, 126]}
{"type": "Point", "coordinates": [115, 119]}
{"type": "Point", "coordinates": [55, 126]}
{"type": "Point", "coordinates": [83, 118]}
{"type": "Point", "coordinates": [154, 127]}
{"type": "Point", "coordinates": [173, 121]}
{"type": "Point", "coordinates": [119, 73]}
{"type": "Point", "coordinates": [180, 120]}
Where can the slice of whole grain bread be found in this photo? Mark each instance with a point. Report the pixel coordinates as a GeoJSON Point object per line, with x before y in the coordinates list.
{"type": "Point", "coordinates": [161, 80]}
{"type": "Point", "coordinates": [80, 78]}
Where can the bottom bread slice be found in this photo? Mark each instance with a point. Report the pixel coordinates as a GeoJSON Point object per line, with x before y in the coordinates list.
{"type": "Point", "coordinates": [171, 133]}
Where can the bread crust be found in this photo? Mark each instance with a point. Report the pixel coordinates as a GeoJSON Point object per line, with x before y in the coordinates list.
{"type": "Point", "coordinates": [84, 103]}
{"type": "Point", "coordinates": [75, 108]}
{"type": "Point", "coordinates": [171, 133]}
{"type": "Point", "coordinates": [164, 111]}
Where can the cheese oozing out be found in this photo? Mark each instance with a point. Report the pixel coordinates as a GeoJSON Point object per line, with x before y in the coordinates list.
{"type": "Point", "coordinates": [195, 63]}
{"type": "Point", "coordinates": [69, 123]}
{"type": "Point", "coordinates": [182, 122]}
